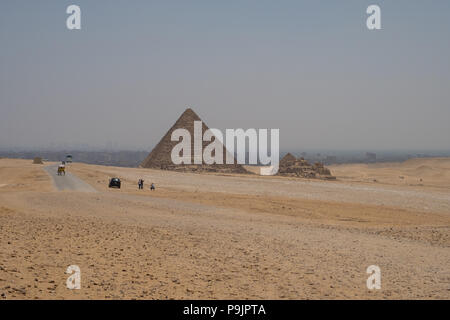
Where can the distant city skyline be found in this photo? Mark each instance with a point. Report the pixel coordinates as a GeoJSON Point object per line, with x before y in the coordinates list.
{"type": "Point", "coordinates": [311, 69]}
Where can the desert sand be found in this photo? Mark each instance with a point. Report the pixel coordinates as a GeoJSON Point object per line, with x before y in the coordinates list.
{"type": "Point", "coordinates": [226, 236]}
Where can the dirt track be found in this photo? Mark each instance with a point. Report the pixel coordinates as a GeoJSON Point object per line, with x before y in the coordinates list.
{"type": "Point", "coordinates": [211, 236]}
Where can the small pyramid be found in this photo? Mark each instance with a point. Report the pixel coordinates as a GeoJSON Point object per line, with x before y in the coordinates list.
{"type": "Point", "coordinates": [160, 157]}
{"type": "Point", "coordinates": [37, 160]}
{"type": "Point", "coordinates": [290, 166]}
{"type": "Point", "coordinates": [288, 158]}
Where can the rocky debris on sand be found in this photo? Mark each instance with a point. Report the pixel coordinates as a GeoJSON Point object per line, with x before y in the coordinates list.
{"type": "Point", "coordinates": [298, 167]}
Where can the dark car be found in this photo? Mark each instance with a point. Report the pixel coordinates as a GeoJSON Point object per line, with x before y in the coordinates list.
{"type": "Point", "coordinates": [114, 183]}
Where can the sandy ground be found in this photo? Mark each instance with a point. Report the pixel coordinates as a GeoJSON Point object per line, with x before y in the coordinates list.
{"type": "Point", "coordinates": [430, 172]}
{"type": "Point", "coordinates": [215, 236]}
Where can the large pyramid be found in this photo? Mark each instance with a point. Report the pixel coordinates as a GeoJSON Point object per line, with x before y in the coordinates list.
{"type": "Point", "coordinates": [160, 157]}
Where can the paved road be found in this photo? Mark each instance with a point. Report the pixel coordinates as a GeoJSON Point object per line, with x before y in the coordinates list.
{"type": "Point", "coordinates": [69, 181]}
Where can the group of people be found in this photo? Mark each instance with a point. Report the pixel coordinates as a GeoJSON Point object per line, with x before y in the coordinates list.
{"type": "Point", "coordinates": [141, 185]}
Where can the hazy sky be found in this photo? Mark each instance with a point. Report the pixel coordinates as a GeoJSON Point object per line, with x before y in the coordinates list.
{"type": "Point", "coordinates": [310, 68]}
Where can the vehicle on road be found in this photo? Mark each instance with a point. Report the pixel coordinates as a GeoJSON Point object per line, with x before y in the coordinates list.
{"type": "Point", "coordinates": [69, 158]}
{"type": "Point", "coordinates": [114, 183]}
{"type": "Point", "coordinates": [61, 170]}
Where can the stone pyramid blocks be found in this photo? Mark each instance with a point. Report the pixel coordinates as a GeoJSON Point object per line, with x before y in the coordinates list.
{"type": "Point", "coordinates": [160, 157]}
